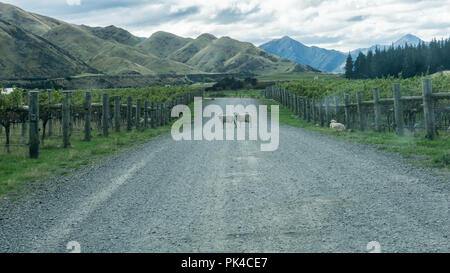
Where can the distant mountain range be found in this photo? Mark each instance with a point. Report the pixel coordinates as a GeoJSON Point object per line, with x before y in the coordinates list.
{"type": "Point", "coordinates": [36, 46]}
{"type": "Point", "coordinates": [324, 59]}
{"type": "Point", "coordinates": [407, 39]}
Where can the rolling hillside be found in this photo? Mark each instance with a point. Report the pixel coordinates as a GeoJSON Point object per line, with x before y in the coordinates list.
{"type": "Point", "coordinates": [114, 34]}
{"type": "Point", "coordinates": [185, 53]}
{"type": "Point", "coordinates": [25, 55]}
{"type": "Point", "coordinates": [110, 56]}
{"type": "Point", "coordinates": [30, 22]}
{"type": "Point", "coordinates": [162, 44]}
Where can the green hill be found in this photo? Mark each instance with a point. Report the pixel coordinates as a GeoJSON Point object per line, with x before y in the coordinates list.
{"type": "Point", "coordinates": [110, 56]}
{"type": "Point", "coordinates": [185, 53]}
{"type": "Point", "coordinates": [162, 44]}
{"type": "Point", "coordinates": [25, 55]}
{"type": "Point", "coordinates": [112, 33]}
{"type": "Point", "coordinates": [30, 22]}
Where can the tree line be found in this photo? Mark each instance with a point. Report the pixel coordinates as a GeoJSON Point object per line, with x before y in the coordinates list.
{"type": "Point", "coordinates": [233, 84]}
{"type": "Point", "coordinates": [402, 61]}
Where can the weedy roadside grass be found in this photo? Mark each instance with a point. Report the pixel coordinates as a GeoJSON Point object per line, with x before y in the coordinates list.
{"type": "Point", "coordinates": [422, 152]}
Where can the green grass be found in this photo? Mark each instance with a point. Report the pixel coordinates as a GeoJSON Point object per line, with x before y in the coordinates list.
{"type": "Point", "coordinates": [234, 94]}
{"type": "Point", "coordinates": [422, 152]}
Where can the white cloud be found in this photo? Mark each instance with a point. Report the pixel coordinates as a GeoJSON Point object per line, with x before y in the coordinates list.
{"type": "Point", "coordinates": [73, 2]}
{"type": "Point", "coordinates": [338, 24]}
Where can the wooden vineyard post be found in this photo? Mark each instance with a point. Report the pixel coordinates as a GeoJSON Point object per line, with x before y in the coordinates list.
{"type": "Point", "coordinates": [327, 110]}
{"type": "Point", "coordinates": [50, 121]}
{"type": "Point", "coordinates": [172, 105]}
{"type": "Point", "coordinates": [129, 113]}
{"type": "Point", "coordinates": [117, 113]}
{"type": "Point", "coordinates": [34, 124]}
{"type": "Point", "coordinates": [71, 116]}
{"type": "Point", "coordinates": [66, 120]}
{"type": "Point", "coordinates": [105, 115]}
{"type": "Point", "coordinates": [290, 105]}
{"type": "Point", "coordinates": [313, 110]}
{"type": "Point", "coordinates": [398, 110]}
{"type": "Point", "coordinates": [336, 108]}
{"type": "Point", "coordinates": [158, 112]}
{"type": "Point", "coordinates": [163, 111]}
{"type": "Point", "coordinates": [427, 91]}
{"type": "Point", "coordinates": [24, 100]}
{"type": "Point", "coordinates": [294, 101]}
{"type": "Point", "coordinates": [305, 115]}
{"type": "Point", "coordinates": [347, 110]}
{"type": "Point", "coordinates": [152, 115]}
{"type": "Point", "coordinates": [146, 114]}
{"type": "Point", "coordinates": [308, 118]}
{"type": "Point", "coordinates": [293, 104]}
{"type": "Point", "coordinates": [87, 116]}
{"type": "Point", "coordinates": [321, 115]}
{"type": "Point", "coordinates": [287, 100]}
{"type": "Point", "coordinates": [360, 111]}
{"type": "Point", "coordinates": [157, 119]}
{"type": "Point", "coordinates": [377, 109]}
{"type": "Point", "coordinates": [138, 114]}
{"type": "Point", "coordinates": [167, 107]}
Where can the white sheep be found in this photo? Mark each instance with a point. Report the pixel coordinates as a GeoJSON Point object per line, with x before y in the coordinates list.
{"type": "Point", "coordinates": [337, 127]}
{"type": "Point", "coordinates": [228, 119]}
{"type": "Point", "coordinates": [243, 118]}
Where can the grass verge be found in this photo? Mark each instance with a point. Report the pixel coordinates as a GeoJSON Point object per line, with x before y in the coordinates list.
{"type": "Point", "coordinates": [422, 152]}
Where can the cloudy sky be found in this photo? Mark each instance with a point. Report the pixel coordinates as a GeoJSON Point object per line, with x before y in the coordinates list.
{"type": "Point", "coordinates": [334, 24]}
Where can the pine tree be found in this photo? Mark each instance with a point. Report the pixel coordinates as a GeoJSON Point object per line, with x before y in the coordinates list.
{"type": "Point", "coordinates": [349, 67]}
{"type": "Point", "coordinates": [360, 66]}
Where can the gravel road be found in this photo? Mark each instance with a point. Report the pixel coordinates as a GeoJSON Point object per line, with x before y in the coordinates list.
{"type": "Point", "coordinates": [314, 194]}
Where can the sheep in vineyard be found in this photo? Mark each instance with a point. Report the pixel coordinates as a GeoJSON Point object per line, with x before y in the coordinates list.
{"type": "Point", "coordinates": [228, 119]}
{"type": "Point", "coordinates": [337, 127]}
{"type": "Point", "coordinates": [243, 118]}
